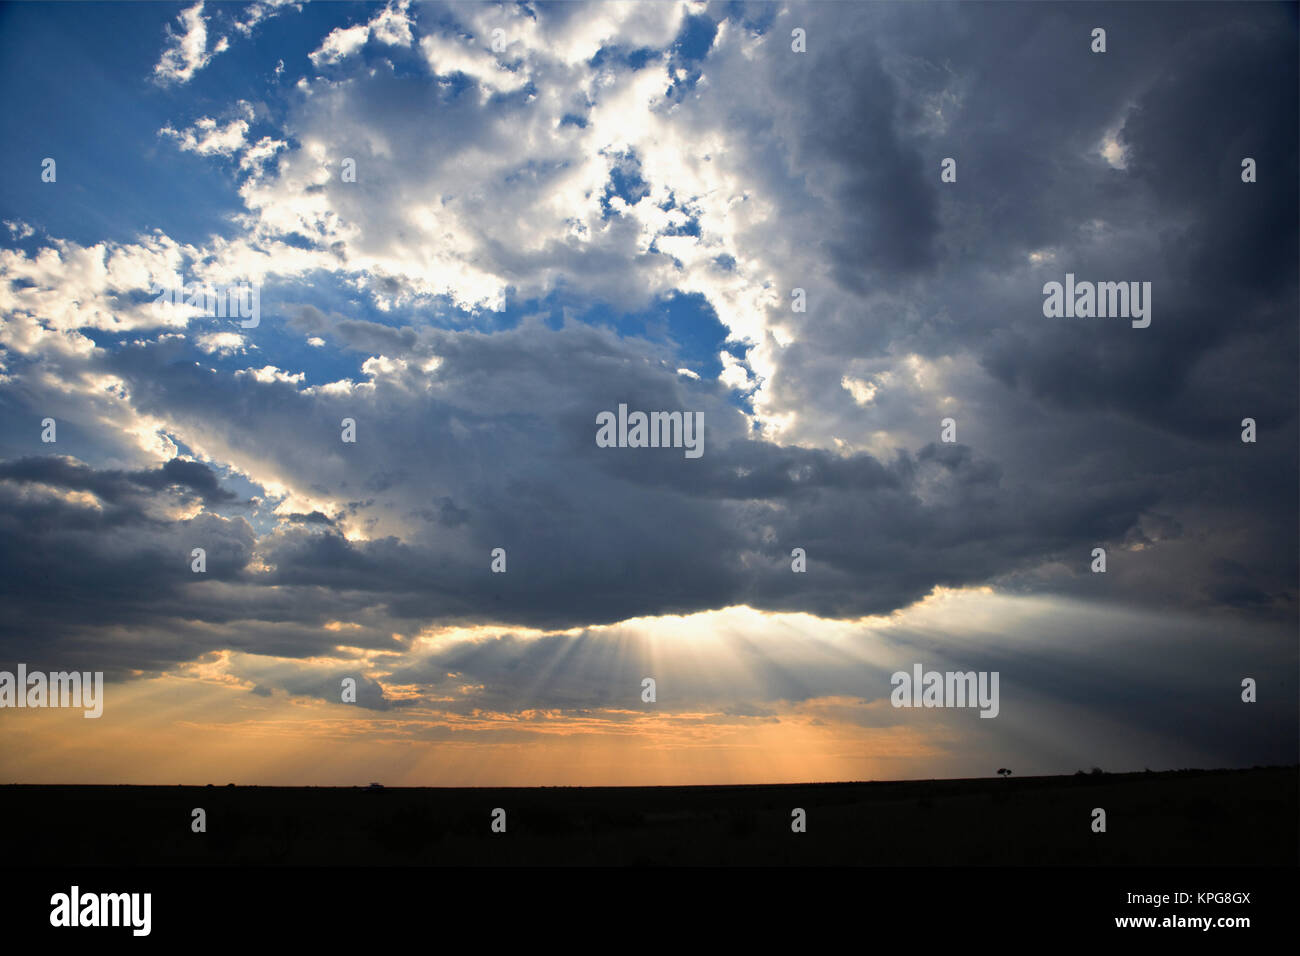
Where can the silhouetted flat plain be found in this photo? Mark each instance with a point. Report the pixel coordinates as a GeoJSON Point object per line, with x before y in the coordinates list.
{"type": "Point", "coordinates": [1190, 817]}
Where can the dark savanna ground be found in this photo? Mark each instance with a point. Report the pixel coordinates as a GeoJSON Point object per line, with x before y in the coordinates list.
{"type": "Point", "coordinates": [1177, 818]}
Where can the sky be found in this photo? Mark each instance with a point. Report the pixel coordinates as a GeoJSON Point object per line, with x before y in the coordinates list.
{"type": "Point", "coordinates": [474, 227]}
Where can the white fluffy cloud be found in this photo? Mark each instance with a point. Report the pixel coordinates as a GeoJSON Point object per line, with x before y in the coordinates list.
{"type": "Point", "coordinates": [391, 26]}
{"type": "Point", "coordinates": [208, 138]}
{"type": "Point", "coordinates": [187, 50]}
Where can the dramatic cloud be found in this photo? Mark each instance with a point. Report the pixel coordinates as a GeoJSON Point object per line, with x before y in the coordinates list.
{"type": "Point", "coordinates": [473, 228]}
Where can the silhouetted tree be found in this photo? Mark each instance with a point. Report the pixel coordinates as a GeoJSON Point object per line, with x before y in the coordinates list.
{"type": "Point", "coordinates": [1004, 772]}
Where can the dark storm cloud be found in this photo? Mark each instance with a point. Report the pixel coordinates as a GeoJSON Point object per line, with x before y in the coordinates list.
{"type": "Point", "coordinates": [1015, 95]}
{"type": "Point", "coordinates": [314, 517]}
{"type": "Point", "coordinates": [1223, 261]}
{"type": "Point", "coordinates": [108, 583]}
{"type": "Point", "coordinates": [119, 487]}
{"type": "Point", "coordinates": [1025, 105]}
{"type": "Point", "coordinates": [596, 535]}
{"type": "Point", "coordinates": [71, 570]}
{"type": "Point", "coordinates": [592, 535]}
{"type": "Point", "coordinates": [307, 680]}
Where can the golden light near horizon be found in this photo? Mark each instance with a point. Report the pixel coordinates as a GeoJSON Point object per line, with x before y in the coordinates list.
{"type": "Point", "coordinates": [724, 713]}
